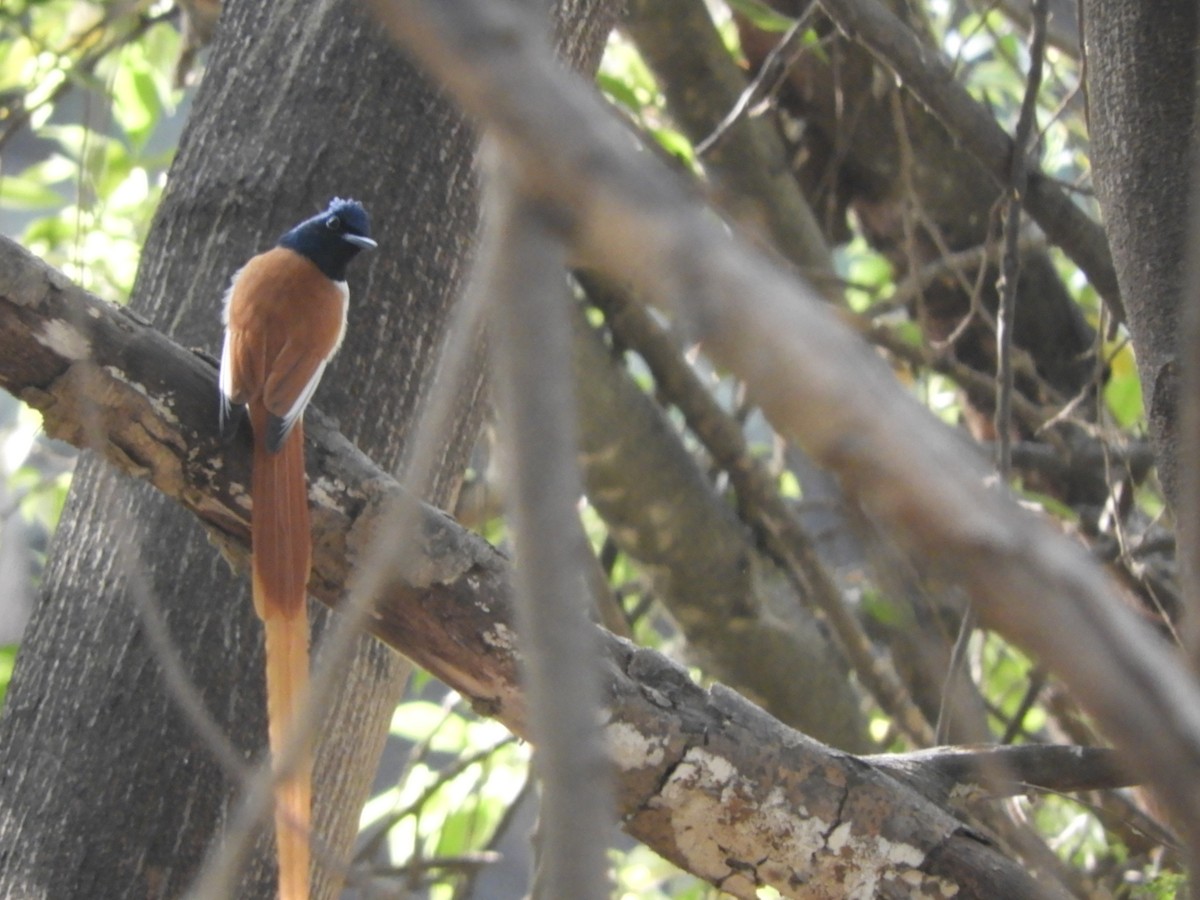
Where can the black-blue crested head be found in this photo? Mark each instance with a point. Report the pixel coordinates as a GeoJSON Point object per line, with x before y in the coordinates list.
{"type": "Point", "coordinates": [332, 238]}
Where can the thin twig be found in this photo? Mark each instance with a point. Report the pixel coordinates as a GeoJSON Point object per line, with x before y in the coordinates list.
{"type": "Point", "coordinates": [1010, 262]}
{"type": "Point", "coordinates": [464, 861]}
{"type": "Point", "coordinates": [1037, 681]}
{"type": "Point", "coordinates": [972, 381]}
{"type": "Point", "coordinates": [781, 58]}
{"type": "Point", "coordinates": [955, 669]}
{"type": "Point", "coordinates": [1010, 269]}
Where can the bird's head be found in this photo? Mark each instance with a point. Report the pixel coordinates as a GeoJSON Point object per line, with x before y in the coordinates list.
{"type": "Point", "coordinates": [332, 238]}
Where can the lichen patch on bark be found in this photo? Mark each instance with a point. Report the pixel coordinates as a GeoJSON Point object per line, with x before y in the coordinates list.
{"type": "Point", "coordinates": [630, 749]}
{"type": "Point", "coordinates": [64, 339]}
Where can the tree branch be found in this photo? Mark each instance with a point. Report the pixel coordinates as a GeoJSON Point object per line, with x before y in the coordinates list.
{"type": "Point", "coordinates": [681, 752]}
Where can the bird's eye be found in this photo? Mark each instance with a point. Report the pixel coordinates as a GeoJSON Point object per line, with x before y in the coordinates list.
{"type": "Point", "coordinates": [333, 223]}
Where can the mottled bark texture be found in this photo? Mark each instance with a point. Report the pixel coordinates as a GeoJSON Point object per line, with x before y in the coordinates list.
{"type": "Point", "coordinates": [108, 791]}
{"type": "Point", "coordinates": [1141, 85]}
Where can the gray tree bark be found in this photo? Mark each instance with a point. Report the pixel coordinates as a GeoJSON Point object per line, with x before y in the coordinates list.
{"type": "Point", "coordinates": [108, 790]}
{"type": "Point", "coordinates": [1141, 88]}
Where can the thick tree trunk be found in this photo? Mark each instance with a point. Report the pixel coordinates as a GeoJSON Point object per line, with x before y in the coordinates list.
{"type": "Point", "coordinates": [108, 790]}
{"type": "Point", "coordinates": [1140, 154]}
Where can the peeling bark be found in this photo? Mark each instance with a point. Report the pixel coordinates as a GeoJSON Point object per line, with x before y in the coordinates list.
{"type": "Point", "coordinates": [807, 820]}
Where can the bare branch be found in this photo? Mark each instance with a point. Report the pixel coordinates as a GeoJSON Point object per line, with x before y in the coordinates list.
{"type": "Point", "coordinates": [1010, 263]}
{"type": "Point", "coordinates": [953, 773]}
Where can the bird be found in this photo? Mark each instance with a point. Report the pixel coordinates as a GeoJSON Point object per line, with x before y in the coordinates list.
{"type": "Point", "coordinates": [285, 317]}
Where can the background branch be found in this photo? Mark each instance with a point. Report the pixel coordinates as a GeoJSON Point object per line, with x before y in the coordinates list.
{"type": "Point", "coordinates": [736, 607]}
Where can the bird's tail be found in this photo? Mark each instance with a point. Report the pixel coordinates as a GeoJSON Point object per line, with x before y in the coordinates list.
{"type": "Point", "coordinates": [281, 542]}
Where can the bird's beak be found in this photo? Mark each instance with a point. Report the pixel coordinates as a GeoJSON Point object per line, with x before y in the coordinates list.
{"type": "Point", "coordinates": [359, 241]}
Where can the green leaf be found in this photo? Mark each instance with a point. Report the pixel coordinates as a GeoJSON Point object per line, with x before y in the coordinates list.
{"type": "Point", "coordinates": [676, 144]}
{"type": "Point", "coordinates": [619, 92]}
{"type": "Point", "coordinates": [761, 15]}
{"type": "Point", "coordinates": [8, 661]}
{"type": "Point", "coordinates": [1050, 504]}
{"type": "Point", "coordinates": [18, 60]}
{"type": "Point", "coordinates": [789, 487]}
{"type": "Point", "coordinates": [420, 720]}
{"type": "Point", "coordinates": [1123, 390]}
{"type": "Point", "coordinates": [138, 99]}
{"type": "Point", "coordinates": [883, 610]}
{"type": "Point", "coordinates": [22, 193]}
{"type": "Point", "coordinates": [1163, 885]}
{"type": "Point", "coordinates": [454, 837]}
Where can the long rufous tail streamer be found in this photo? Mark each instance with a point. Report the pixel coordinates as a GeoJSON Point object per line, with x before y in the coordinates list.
{"type": "Point", "coordinates": [281, 538]}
